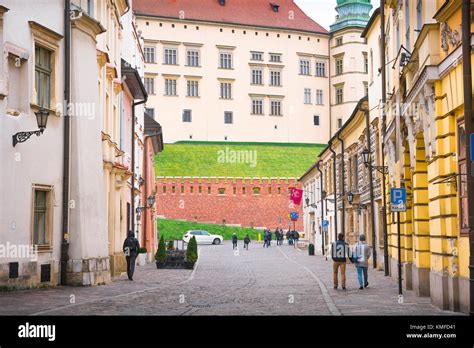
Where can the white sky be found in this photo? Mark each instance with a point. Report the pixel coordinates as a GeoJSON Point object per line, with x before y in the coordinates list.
{"type": "Point", "coordinates": [321, 11]}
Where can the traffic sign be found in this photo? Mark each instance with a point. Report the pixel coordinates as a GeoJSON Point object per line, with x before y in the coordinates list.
{"type": "Point", "coordinates": [398, 199]}
{"type": "Point", "coordinates": [294, 216]}
{"type": "Point", "coordinates": [325, 223]}
{"type": "Point", "coordinates": [472, 146]}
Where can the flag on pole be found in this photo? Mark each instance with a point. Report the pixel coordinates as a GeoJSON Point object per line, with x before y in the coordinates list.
{"type": "Point", "coordinates": [296, 195]}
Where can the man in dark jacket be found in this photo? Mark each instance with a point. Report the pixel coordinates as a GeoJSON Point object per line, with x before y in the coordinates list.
{"type": "Point", "coordinates": [269, 238]}
{"type": "Point", "coordinates": [130, 248]}
{"type": "Point", "coordinates": [339, 253]}
{"type": "Point", "coordinates": [296, 237]}
{"type": "Point", "coordinates": [246, 241]}
{"type": "Point", "coordinates": [288, 237]}
{"type": "Point", "coordinates": [234, 241]}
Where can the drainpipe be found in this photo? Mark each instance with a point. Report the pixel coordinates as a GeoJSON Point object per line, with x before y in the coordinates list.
{"type": "Point", "coordinates": [335, 188]}
{"type": "Point", "coordinates": [371, 186]}
{"type": "Point", "coordinates": [318, 166]}
{"type": "Point", "coordinates": [67, 142]}
{"type": "Point", "coordinates": [384, 130]}
{"type": "Point", "coordinates": [132, 226]}
{"type": "Point", "coordinates": [469, 124]}
{"type": "Point", "coordinates": [343, 189]}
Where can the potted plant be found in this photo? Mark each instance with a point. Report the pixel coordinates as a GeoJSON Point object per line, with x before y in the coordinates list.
{"type": "Point", "coordinates": [191, 253]}
{"type": "Point", "coordinates": [160, 256]}
{"type": "Point", "coordinates": [142, 256]}
{"type": "Point", "coordinates": [311, 249]}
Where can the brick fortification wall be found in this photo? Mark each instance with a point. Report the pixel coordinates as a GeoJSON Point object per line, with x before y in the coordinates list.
{"type": "Point", "coordinates": [249, 202]}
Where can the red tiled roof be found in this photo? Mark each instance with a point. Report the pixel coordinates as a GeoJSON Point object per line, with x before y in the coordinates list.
{"type": "Point", "coordinates": [245, 12]}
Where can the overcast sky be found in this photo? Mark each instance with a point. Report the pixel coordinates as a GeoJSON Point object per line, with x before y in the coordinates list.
{"type": "Point", "coordinates": [321, 11]}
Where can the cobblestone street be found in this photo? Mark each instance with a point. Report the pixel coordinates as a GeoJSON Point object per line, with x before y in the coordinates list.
{"type": "Point", "coordinates": [273, 281]}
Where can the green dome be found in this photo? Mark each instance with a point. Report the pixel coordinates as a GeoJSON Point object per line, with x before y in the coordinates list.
{"type": "Point", "coordinates": [352, 13]}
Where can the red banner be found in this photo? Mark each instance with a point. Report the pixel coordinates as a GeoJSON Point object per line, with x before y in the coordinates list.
{"type": "Point", "coordinates": [296, 195]}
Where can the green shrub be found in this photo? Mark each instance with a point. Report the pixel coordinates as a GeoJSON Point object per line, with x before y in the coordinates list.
{"type": "Point", "coordinates": [160, 255]}
{"type": "Point", "coordinates": [191, 252]}
{"type": "Point", "coordinates": [311, 249]}
{"type": "Point", "coordinates": [142, 250]}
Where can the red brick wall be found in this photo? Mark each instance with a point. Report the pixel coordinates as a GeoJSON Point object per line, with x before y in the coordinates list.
{"type": "Point", "coordinates": [246, 209]}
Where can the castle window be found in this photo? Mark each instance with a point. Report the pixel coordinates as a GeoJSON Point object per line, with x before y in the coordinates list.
{"type": "Point", "coordinates": [256, 190]}
{"type": "Point", "coordinates": [222, 191]}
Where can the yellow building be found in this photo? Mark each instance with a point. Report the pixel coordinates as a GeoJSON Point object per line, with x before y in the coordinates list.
{"type": "Point", "coordinates": [425, 143]}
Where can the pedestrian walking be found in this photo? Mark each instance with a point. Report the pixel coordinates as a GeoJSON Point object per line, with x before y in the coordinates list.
{"type": "Point", "coordinates": [130, 248]}
{"type": "Point", "coordinates": [296, 237]}
{"type": "Point", "coordinates": [362, 254]}
{"type": "Point", "coordinates": [289, 237]}
{"type": "Point", "coordinates": [339, 253]}
{"type": "Point", "coordinates": [269, 238]}
{"type": "Point", "coordinates": [265, 238]}
{"type": "Point", "coordinates": [246, 241]}
{"type": "Point", "coordinates": [277, 236]}
{"type": "Point", "coordinates": [234, 241]}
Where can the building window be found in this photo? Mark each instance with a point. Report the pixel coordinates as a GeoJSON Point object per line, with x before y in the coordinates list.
{"type": "Point", "coordinates": [339, 41]}
{"type": "Point", "coordinates": [307, 95]}
{"type": "Point", "coordinates": [150, 85]}
{"type": "Point", "coordinates": [275, 57]}
{"type": "Point", "coordinates": [187, 115]}
{"type": "Point", "coordinates": [226, 90]}
{"type": "Point", "coordinates": [366, 63]}
{"type": "Point", "coordinates": [339, 66]}
{"type": "Point", "coordinates": [275, 78]}
{"type": "Point", "coordinates": [275, 108]}
{"type": "Point", "coordinates": [170, 87]}
{"type": "Point", "coordinates": [257, 77]}
{"type": "Point", "coordinates": [320, 69]}
{"type": "Point", "coordinates": [150, 55]}
{"type": "Point", "coordinates": [257, 106]}
{"type": "Point", "coordinates": [150, 112]}
{"type": "Point", "coordinates": [316, 120]}
{"type": "Point", "coordinates": [305, 68]}
{"type": "Point", "coordinates": [43, 72]}
{"type": "Point", "coordinates": [192, 58]}
{"type": "Point", "coordinates": [366, 88]}
{"type": "Point", "coordinates": [171, 56]}
{"type": "Point", "coordinates": [407, 25]}
{"type": "Point", "coordinates": [339, 95]}
{"type": "Point", "coordinates": [419, 14]}
{"type": "Point", "coordinates": [41, 216]}
{"type": "Point", "coordinates": [228, 117]}
{"type": "Point", "coordinates": [339, 123]}
{"type": "Point", "coordinates": [319, 97]}
{"type": "Point", "coordinates": [193, 88]}
{"type": "Point", "coordinates": [225, 60]}
{"type": "Point", "coordinates": [258, 56]}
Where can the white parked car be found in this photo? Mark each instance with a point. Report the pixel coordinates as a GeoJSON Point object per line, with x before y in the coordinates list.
{"type": "Point", "coordinates": [203, 237]}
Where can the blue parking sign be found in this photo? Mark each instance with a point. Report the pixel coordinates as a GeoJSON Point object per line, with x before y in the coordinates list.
{"type": "Point", "coordinates": [398, 199]}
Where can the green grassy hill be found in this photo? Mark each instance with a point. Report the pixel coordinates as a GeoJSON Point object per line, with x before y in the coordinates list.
{"type": "Point", "coordinates": [236, 159]}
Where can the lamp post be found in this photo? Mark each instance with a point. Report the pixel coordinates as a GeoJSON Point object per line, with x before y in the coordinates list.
{"type": "Point", "coordinates": [350, 197]}
{"type": "Point", "coordinates": [42, 119]}
{"type": "Point", "coordinates": [149, 203]}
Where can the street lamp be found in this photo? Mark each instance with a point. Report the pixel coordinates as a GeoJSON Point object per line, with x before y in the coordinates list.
{"type": "Point", "coordinates": [149, 203]}
{"type": "Point", "coordinates": [367, 158]}
{"type": "Point", "coordinates": [42, 119]}
{"type": "Point", "coordinates": [350, 197]}
{"type": "Point", "coordinates": [312, 205]}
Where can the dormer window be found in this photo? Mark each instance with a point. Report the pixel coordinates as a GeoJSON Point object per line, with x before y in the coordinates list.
{"type": "Point", "coordinates": [275, 7]}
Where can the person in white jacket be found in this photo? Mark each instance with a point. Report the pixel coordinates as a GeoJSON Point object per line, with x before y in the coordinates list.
{"type": "Point", "coordinates": [363, 253]}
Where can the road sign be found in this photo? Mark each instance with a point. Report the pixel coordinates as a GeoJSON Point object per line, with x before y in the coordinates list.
{"type": "Point", "coordinates": [472, 146]}
{"type": "Point", "coordinates": [398, 199]}
{"type": "Point", "coordinates": [325, 223]}
{"type": "Point", "coordinates": [294, 216]}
